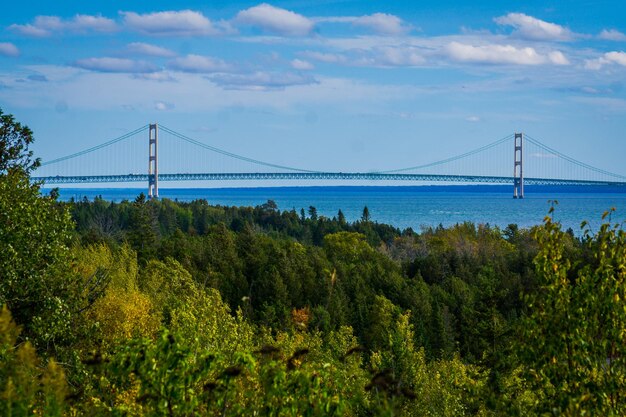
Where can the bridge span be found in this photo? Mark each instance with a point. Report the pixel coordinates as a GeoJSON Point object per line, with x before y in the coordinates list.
{"type": "Point", "coordinates": [355, 176]}
{"type": "Point", "coordinates": [549, 166]}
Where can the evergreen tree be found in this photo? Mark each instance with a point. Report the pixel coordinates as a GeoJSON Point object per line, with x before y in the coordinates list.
{"type": "Point", "coordinates": [366, 215]}
{"type": "Point", "coordinates": [341, 218]}
{"type": "Point", "coordinates": [143, 226]}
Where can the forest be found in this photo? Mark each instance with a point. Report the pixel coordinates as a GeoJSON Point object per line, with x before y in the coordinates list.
{"type": "Point", "coordinates": [158, 307]}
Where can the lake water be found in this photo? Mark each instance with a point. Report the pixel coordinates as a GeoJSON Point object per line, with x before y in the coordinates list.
{"type": "Point", "coordinates": [409, 206]}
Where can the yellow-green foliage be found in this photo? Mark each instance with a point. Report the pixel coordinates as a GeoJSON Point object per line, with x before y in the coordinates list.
{"type": "Point", "coordinates": [121, 311]}
{"type": "Point", "coordinates": [351, 245]}
{"type": "Point", "coordinates": [206, 319]}
{"type": "Point", "coordinates": [119, 265]}
{"type": "Point", "coordinates": [198, 314]}
{"type": "Point", "coordinates": [210, 365]}
{"type": "Point", "coordinates": [518, 399]}
{"type": "Point", "coordinates": [122, 315]}
{"type": "Point", "coordinates": [168, 285]}
{"type": "Point", "coordinates": [574, 346]}
{"type": "Point", "coordinates": [170, 376]}
{"type": "Point", "coordinates": [27, 387]}
{"type": "Point", "coordinates": [407, 382]}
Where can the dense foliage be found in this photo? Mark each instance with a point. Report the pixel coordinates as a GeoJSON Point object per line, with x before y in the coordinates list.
{"type": "Point", "coordinates": [155, 307]}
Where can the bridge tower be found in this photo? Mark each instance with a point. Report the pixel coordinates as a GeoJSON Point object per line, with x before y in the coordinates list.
{"type": "Point", "coordinates": [518, 167]}
{"type": "Point", "coordinates": [153, 161]}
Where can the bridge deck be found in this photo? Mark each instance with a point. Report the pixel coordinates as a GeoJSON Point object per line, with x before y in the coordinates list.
{"type": "Point", "coordinates": [358, 176]}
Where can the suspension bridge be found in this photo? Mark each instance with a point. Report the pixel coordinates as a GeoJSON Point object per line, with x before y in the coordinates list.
{"type": "Point", "coordinates": [517, 154]}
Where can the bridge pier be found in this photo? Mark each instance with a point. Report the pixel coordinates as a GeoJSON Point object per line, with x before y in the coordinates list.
{"type": "Point", "coordinates": [518, 166]}
{"type": "Point", "coordinates": [153, 161]}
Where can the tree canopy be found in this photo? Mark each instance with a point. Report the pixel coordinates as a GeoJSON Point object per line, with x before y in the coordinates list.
{"type": "Point", "coordinates": [15, 140]}
{"type": "Point", "coordinates": [156, 307]}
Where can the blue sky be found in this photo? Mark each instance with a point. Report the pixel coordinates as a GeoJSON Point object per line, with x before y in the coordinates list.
{"type": "Point", "coordinates": [328, 85]}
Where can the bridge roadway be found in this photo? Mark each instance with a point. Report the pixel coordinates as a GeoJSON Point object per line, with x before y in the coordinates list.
{"type": "Point", "coordinates": [361, 176]}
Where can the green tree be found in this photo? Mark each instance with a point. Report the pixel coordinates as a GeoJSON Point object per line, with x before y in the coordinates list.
{"type": "Point", "coordinates": [14, 142]}
{"type": "Point", "coordinates": [341, 218]}
{"type": "Point", "coordinates": [574, 346]}
{"type": "Point", "coordinates": [35, 231]}
{"type": "Point", "coordinates": [366, 215]}
{"type": "Point", "coordinates": [27, 387]}
{"type": "Point", "coordinates": [143, 228]}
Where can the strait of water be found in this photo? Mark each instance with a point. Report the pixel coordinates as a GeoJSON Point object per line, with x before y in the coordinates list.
{"type": "Point", "coordinates": [408, 206]}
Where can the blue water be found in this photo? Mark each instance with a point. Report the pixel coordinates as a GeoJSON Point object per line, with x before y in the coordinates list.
{"type": "Point", "coordinates": [410, 206]}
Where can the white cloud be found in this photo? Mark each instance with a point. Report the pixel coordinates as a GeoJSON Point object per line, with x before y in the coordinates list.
{"type": "Point", "coordinates": [8, 49]}
{"type": "Point", "coordinates": [501, 54]}
{"type": "Point", "coordinates": [107, 64]}
{"type": "Point", "coordinates": [141, 48]}
{"type": "Point", "coordinates": [382, 23]}
{"type": "Point", "coordinates": [44, 26]}
{"type": "Point", "coordinates": [198, 64]}
{"type": "Point", "coordinates": [96, 23]}
{"type": "Point", "coordinates": [375, 56]}
{"type": "Point", "coordinates": [529, 27]}
{"type": "Point", "coordinates": [328, 58]}
{"type": "Point", "coordinates": [192, 92]}
{"type": "Point", "coordinates": [612, 35]}
{"type": "Point", "coordinates": [421, 51]}
{"type": "Point", "coordinates": [473, 119]}
{"type": "Point", "coordinates": [614, 57]}
{"type": "Point", "coordinates": [557, 58]}
{"type": "Point", "coordinates": [160, 76]}
{"type": "Point", "coordinates": [394, 56]}
{"type": "Point", "coordinates": [275, 20]}
{"type": "Point", "coordinates": [334, 19]}
{"type": "Point", "coordinates": [174, 23]}
{"type": "Point", "coordinates": [590, 90]}
{"type": "Point", "coordinates": [163, 106]}
{"type": "Point", "coordinates": [595, 64]}
{"type": "Point", "coordinates": [378, 51]}
{"type": "Point", "coordinates": [50, 23]}
{"type": "Point", "coordinates": [261, 81]}
{"type": "Point", "coordinates": [30, 30]}
{"type": "Point", "coordinates": [300, 64]}
{"type": "Point", "coordinates": [598, 63]}
{"type": "Point", "coordinates": [381, 56]}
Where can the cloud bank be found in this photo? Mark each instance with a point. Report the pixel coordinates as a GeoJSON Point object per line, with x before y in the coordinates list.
{"type": "Point", "coordinates": [121, 65]}
{"type": "Point", "coordinates": [173, 23]}
{"type": "Point", "coordinates": [44, 26]}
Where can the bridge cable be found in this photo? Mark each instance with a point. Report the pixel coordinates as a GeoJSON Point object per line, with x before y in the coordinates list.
{"type": "Point", "coordinates": [451, 159]}
{"type": "Point", "coordinates": [95, 148]}
{"type": "Point", "coordinates": [230, 154]}
{"type": "Point", "coordinates": [570, 159]}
